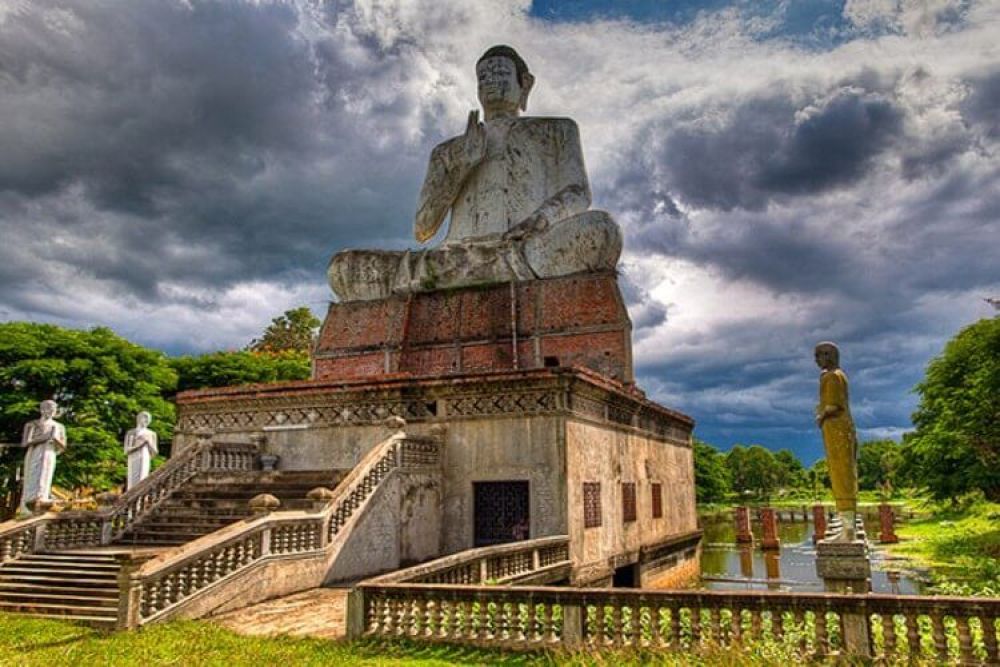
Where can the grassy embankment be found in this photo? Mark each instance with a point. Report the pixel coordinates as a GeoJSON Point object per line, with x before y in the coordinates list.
{"type": "Point", "coordinates": [960, 543]}
{"type": "Point", "coordinates": [41, 642]}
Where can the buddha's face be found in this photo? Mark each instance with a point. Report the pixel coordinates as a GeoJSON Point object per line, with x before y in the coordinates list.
{"type": "Point", "coordinates": [499, 88]}
{"type": "Point", "coordinates": [142, 419]}
{"type": "Point", "coordinates": [47, 409]}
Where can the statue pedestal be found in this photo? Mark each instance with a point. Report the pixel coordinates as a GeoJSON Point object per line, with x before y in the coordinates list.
{"type": "Point", "coordinates": [844, 567]}
{"type": "Point", "coordinates": [577, 320]}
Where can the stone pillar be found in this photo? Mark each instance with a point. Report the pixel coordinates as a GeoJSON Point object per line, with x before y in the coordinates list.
{"type": "Point", "coordinates": [769, 524]}
{"type": "Point", "coordinates": [743, 533]}
{"type": "Point", "coordinates": [844, 567]}
{"type": "Point", "coordinates": [887, 534]}
{"type": "Point", "coordinates": [772, 567]}
{"type": "Point", "coordinates": [819, 523]}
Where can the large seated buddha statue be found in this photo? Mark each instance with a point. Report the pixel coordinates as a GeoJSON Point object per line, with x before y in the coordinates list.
{"type": "Point", "coordinates": [517, 191]}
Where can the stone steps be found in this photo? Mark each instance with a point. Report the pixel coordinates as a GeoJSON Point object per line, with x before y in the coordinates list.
{"type": "Point", "coordinates": [77, 586]}
{"type": "Point", "coordinates": [82, 584]}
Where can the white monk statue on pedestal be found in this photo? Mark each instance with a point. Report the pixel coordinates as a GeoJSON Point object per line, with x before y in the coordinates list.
{"type": "Point", "coordinates": [43, 440]}
{"type": "Point", "coordinates": [140, 448]}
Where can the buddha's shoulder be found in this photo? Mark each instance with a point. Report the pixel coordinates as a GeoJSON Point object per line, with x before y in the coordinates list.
{"type": "Point", "coordinates": [547, 124]}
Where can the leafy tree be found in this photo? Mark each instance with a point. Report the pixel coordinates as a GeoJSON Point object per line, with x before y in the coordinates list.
{"type": "Point", "coordinates": [790, 472]}
{"type": "Point", "coordinates": [752, 470]}
{"type": "Point", "coordinates": [100, 382]}
{"type": "Point", "coordinates": [223, 369]}
{"type": "Point", "coordinates": [956, 446]}
{"type": "Point", "coordinates": [293, 330]}
{"type": "Point", "coordinates": [710, 476]}
{"type": "Point", "coordinates": [878, 462]}
{"type": "Point", "coordinates": [819, 478]}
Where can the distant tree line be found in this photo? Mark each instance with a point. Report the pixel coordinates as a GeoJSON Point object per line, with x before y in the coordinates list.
{"type": "Point", "coordinates": [954, 449]}
{"type": "Point", "coordinates": [101, 381]}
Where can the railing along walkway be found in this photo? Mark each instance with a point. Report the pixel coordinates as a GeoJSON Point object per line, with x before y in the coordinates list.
{"type": "Point", "coordinates": [940, 629]}
{"type": "Point", "coordinates": [538, 561]}
{"type": "Point", "coordinates": [57, 531]}
{"type": "Point", "coordinates": [161, 587]}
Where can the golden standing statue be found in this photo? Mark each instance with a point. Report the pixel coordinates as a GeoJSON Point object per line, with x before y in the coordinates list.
{"type": "Point", "coordinates": [833, 417]}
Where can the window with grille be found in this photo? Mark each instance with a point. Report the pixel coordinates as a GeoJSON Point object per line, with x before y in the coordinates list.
{"type": "Point", "coordinates": [591, 504]}
{"type": "Point", "coordinates": [628, 502]}
{"type": "Point", "coordinates": [657, 501]}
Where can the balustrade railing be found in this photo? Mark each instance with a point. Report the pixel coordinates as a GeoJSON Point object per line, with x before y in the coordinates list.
{"type": "Point", "coordinates": [912, 628]}
{"type": "Point", "coordinates": [159, 586]}
{"type": "Point", "coordinates": [499, 564]}
{"type": "Point", "coordinates": [71, 530]}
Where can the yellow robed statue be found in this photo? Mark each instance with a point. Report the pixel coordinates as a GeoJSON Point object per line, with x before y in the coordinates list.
{"type": "Point", "coordinates": [833, 417]}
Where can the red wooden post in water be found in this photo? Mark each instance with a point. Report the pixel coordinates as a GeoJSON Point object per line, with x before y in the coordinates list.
{"type": "Point", "coordinates": [886, 519]}
{"type": "Point", "coordinates": [743, 532]}
{"type": "Point", "coordinates": [769, 522]}
{"type": "Point", "coordinates": [819, 523]}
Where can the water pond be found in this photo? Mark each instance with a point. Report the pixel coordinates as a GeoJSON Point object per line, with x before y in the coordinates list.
{"type": "Point", "coordinates": [726, 565]}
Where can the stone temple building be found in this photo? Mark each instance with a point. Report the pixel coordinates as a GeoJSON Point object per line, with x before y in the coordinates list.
{"type": "Point", "coordinates": [473, 397]}
{"type": "Point", "coordinates": [511, 342]}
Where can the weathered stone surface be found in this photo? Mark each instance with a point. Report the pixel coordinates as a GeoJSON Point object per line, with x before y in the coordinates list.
{"type": "Point", "coordinates": [319, 612]}
{"type": "Point", "coordinates": [518, 197]}
{"type": "Point", "coordinates": [844, 566]}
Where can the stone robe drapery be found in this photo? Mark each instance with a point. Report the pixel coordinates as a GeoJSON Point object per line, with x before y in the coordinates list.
{"type": "Point", "coordinates": [40, 459]}
{"type": "Point", "coordinates": [140, 448]}
{"type": "Point", "coordinates": [839, 439]}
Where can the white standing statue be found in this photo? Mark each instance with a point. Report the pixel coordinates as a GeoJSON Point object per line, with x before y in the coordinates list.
{"type": "Point", "coordinates": [43, 440]}
{"type": "Point", "coordinates": [140, 448]}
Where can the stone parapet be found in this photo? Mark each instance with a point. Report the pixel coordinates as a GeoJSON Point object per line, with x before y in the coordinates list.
{"type": "Point", "coordinates": [310, 404]}
{"type": "Point", "coordinates": [577, 320]}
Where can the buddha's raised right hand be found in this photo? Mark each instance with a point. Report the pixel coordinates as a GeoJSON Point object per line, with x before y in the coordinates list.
{"type": "Point", "coordinates": [474, 140]}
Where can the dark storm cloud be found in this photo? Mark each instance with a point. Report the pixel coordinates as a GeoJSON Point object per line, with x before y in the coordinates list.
{"type": "Point", "coordinates": [141, 130]}
{"type": "Point", "coordinates": [771, 146]}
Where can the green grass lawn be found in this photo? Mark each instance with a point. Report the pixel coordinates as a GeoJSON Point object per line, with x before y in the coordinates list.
{"type": "Point", "coordinates": [960, 544]}
{"type": "Point", "coordinates": [41, 642]}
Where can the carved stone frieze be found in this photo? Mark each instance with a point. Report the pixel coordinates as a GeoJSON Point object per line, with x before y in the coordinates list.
{"type": "Point", "coordinates": [305, 405]}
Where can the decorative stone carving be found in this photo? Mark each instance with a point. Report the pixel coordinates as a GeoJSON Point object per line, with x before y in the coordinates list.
{"type": "Point", "coordinates": [833, 417]}
{"type": "Point", "coordinates": [141, 445]}
{"type": "Point", "coordinates": [43, 439]}
{"type": "Point", "coordinates": [518, 195]}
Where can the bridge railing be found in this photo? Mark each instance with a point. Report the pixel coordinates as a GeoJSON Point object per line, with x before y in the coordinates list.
{"type": "Point", "coordinates": [534, 560]}
{"type": "Point", "coordinates": [938, 629]}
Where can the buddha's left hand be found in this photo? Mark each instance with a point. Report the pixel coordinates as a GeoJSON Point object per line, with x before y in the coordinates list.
{"type": "Point", "coordinates": [534, 224]}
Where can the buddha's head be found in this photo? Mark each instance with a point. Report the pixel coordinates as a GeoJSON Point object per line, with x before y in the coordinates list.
{"type": "Point", "coordinates": [143, 419]}
{"type": "Point", "coordinates": [827, 355]}
{"type": "Point", "coordinates": [48, 409]}
{"type": "Point", "coordinates": [504, 82]}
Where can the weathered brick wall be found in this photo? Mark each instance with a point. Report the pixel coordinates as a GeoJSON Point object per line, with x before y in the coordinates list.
{"type": "Point", "coordinates": [571, 321]}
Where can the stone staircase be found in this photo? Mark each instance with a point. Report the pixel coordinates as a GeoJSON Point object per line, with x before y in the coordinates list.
{"type": "Point", "coordinates": [209, 502]}
{"type": "Point", "coordinates": [76, 585]}
{"type": "Point", "coordinates": [82, 584]}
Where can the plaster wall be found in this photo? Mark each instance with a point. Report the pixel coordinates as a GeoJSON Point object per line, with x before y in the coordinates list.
{"type": "Point", "coordinates": [503, 449]}
{"type": "Point", "coordinates": [609, 455]}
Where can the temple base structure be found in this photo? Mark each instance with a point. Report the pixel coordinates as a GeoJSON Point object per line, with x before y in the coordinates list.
{"type": "Point", "coordinates": [576, 320]}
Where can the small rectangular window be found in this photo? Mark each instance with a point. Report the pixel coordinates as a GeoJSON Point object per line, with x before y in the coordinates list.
{"type": "Point", "coordinates": [628, 502]}
{"type": "Point", "coordinates": [591, 504]}
{"type": "Point", "coordinates": [657, 501]}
